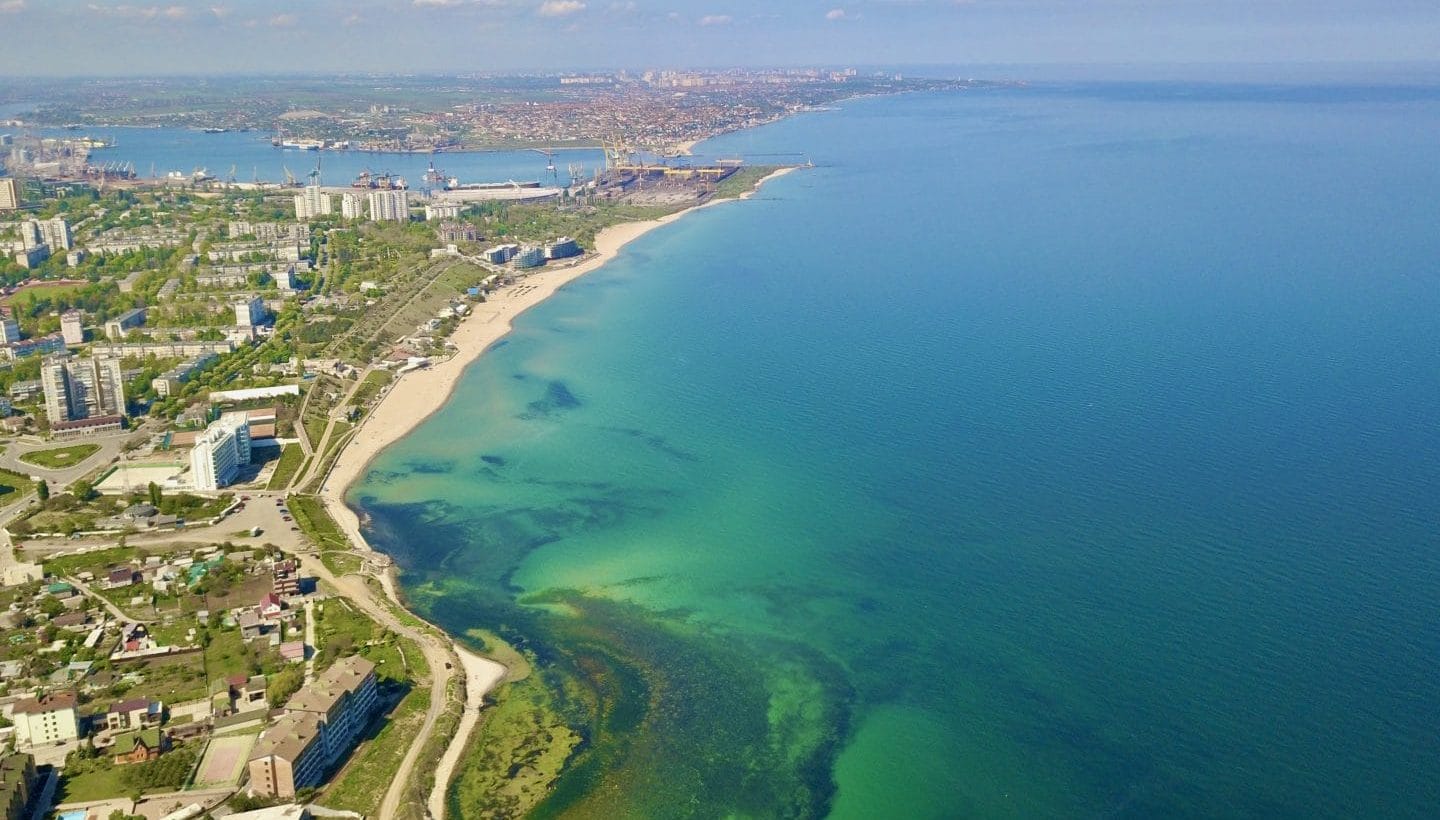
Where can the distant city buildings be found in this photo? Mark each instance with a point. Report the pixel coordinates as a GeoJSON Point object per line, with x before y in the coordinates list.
{"type": "Point", "coordinates": [312, 202]}
{"type": "Point", "coordinates": [220, 452]}
{"type": "Point", "coordinates": [390, 206]}
{"type": "Point", "coordinates": [86, 388]}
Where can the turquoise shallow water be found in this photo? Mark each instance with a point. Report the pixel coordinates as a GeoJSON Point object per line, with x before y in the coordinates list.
{"type": "Point", "coordinates": [1064, 452]}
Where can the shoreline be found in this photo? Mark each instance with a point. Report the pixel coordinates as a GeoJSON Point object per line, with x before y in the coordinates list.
{"type": "Point", "coordinates": [426, 392]}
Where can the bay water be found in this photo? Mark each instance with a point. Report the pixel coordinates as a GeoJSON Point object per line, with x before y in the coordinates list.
{"type": "Point", "coordinates": [1066, 451]}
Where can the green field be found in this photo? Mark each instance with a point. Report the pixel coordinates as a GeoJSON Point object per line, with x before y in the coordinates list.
{"type": "Point", "coordinates": [291, 458]}
{"type": "Point", "coordinates": [59, 458]}
{"type": "Point", "coordinates": [13, 485]}
{"type": "Point", "coordinates": [316, 523]}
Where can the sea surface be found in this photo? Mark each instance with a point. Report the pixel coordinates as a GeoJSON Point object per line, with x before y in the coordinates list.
{"type": "Point", "coordinates": [1060, 452]}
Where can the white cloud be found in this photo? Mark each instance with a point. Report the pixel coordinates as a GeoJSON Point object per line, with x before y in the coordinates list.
{"type": "Point", "coordinates": [282, 21]}
{"type": "Point", "coordinates": [437, 3]}
{"type": "Point", "coordinates": [352, 20]}
{"type": "Point", "coordinates": [560, 8]}
{"type": "Point", "coordinates": [220, 12]}
{"type": "Point", "coordinates": [176, 12]}
{"type": "Point", "coordinates": [12, 6]}
{"type": "Point", "coordinates": [716, 20]}
{"type": "Point", "coordinates": [628, 7]}
{"type": "Point", "coordinates": [835, 14]}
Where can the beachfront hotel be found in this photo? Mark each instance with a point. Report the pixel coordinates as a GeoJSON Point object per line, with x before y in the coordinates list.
{"type": "Point", "coordinates": [320, 725]}
{"type": "Point", "coordinates": [220, 453]}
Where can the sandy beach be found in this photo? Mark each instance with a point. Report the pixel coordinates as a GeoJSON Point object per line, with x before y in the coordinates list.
{"type": "Point", "coordinates": [414, 396]}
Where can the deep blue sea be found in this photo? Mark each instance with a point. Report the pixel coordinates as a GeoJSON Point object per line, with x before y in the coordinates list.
{"type": "Point", "coordinates": [1068, 451]}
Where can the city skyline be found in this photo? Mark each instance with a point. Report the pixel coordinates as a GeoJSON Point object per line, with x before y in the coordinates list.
{"type": "Point", "coordinates": [77, 37]}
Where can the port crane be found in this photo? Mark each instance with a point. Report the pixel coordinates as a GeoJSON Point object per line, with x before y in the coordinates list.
{"type": "Point", "coordinates": [549, 154]}
{"type": "Point", "coordinates": [289, 177]}
{"type": "Point", "coordinates": [314, 174]}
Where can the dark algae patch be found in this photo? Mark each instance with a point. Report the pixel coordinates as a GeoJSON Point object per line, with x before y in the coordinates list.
{"type": "Point", "coordinates": [626, 713]}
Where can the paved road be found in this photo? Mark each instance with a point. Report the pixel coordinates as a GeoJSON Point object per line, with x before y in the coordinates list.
{"type": "Point", "coordinates": [110, 447]}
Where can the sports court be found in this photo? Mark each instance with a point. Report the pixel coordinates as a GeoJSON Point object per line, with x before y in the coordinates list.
{"type": "Point", "coordinates": [225, 760]}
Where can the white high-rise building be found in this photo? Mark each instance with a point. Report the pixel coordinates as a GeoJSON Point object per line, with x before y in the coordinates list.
{"type": "Point", "coordinates": [442, 210]}
{"type": "Point", "coordinates": [352, 206]}
{"type": "Point", "coordinates": [220, 452]}
{"type": "Point", "coordinates": [82, 388]}
{"type": "Point", "coordinates": [249, 311]}
{"type": "Point", "coordinates": [390, 206]}
{"type": "Point", "coordinates": [9, 193]}
{"type": "Point", "coordinates": [312, 202]}
{"type": "Point", "coordinates": [56, 233]}
{"type": "Point", "coordinates": [30, 234]}
{"type": "Point", "coordinates": [72, 327]}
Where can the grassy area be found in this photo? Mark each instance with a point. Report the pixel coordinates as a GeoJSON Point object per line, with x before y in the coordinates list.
{"type": "Point", "coordinates": [368, 389]}
{"type": "Point", "coordinates": [341, 563]}
{"type": "Point", "coordinates": [743, 180]}
{"type": "Point", "coordinates": [290, 460]}
{"type": "Point", "coordinates": [58, 458]}
{"type": "Point", "coordinates": [362, 784]}
{"type": "Point", "coordinates": [93, 561]}
{"type": "Point", "coordinates": [13, 485]}
{"type": "Point", "coordinates": [99, 778]}
{"type": "Point", "coordinates": [316, 523]}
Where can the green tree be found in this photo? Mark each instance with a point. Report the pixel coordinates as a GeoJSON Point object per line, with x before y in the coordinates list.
{"type": "Point", "coordinates": [42, 490]}
{"type": "Point", "coordinates": [156, 495]}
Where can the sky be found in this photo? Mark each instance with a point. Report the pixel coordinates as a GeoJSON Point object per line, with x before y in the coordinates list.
{"type": "Point", "coordinates": [105, 37]}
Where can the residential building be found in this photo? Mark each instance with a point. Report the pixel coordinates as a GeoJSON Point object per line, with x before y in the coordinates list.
{"type": "Point", "coordinates": [30, 234]}
{"type": "Point", "coordinates": [390, 206]}
{"type": "Point", "coordinates": [500, 254]}
{"type": "Point", "coordinates": [529, 257]}
{"type": "Point", "coordinates": [45, 720]}
{"type": "Point", "coordinates": [31, 257]}
{"type": "Point", "coordinates": [312, 202]}
{"type": "Point", "coordinates": [82, 388]}
{"type": "Point", "coordinates": [442, 210]}
{"type": "Point", "coordinates": [452, 232]}
{"type": "Point", "coordinates": [139, 746]}
{"type": "Point", "coordinates": [249, 311]}
{"type": "Point", "coordinates": [72, 327]}
{"type": "Point", "coordinates": [170, 382]}
{"type": "Point", "coordinates": [56, 233]}
{"type": "Point", "coordinates": [9, 330]}
{"type": "Point", "coordinates": [9, 194]}
{"type": "Point", "coordinates": [49, 343]}
{"type": "Point", "coordinates": [18, 780]}
{"type": "Point", "coordinates": [285, 279]}
{"type": "Point", "coordinates": [220, 453]}
{"type": "Point", "coordinates": [136, 713]}
{"type": "Point", "coordinates": [116, 328]}
{"type": "Point", "coordinates": [352, 206]}
{"type": "Point", "coordinates": [562, 248]}
{"type": "Point", "coordinates": [320, 725]}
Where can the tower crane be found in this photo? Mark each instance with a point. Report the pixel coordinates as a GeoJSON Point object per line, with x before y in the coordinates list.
{"type": "Point", "coordinates": [549, 154]}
